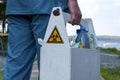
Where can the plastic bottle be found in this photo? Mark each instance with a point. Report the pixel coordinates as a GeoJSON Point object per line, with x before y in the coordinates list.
{"type": "Point", "coordinates": [82, 38]}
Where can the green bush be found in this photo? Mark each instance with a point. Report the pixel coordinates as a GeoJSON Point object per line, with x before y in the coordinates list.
{"type": "Point", "coordinates": [5, 42]}
{"type": "Point", "coordinates": [1, 75]}
{"type": "Point", "coordinates": [110, 50]}
{"type": "Point", "coordinates": [2, 9]}
{"type": "Point", "coordinates": [111, 73]}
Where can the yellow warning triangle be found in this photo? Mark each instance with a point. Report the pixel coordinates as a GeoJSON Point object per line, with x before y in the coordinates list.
{"type": "Point", "coordinates": [55, 37]}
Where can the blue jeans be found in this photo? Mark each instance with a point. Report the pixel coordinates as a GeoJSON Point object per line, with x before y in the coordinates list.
{"type": "Point", "coordinates": [24, 30]}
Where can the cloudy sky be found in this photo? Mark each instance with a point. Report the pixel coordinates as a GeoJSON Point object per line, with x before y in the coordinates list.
{"type": "Point", "coordinates": [105, 15]}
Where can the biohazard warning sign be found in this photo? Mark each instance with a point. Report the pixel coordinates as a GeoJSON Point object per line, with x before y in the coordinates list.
{"type": "Point", "coordinates": [55, 37]}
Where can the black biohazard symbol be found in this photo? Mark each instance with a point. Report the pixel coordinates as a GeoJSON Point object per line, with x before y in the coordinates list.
{"type": "Point", "coordinates": [55, 37]}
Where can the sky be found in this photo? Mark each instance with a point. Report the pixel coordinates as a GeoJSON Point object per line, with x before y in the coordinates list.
{"type": "Point", "coordinates": [105, 15]}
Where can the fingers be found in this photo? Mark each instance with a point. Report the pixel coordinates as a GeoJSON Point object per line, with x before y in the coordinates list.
{"type": "Point", "coordinates": [75, 20]}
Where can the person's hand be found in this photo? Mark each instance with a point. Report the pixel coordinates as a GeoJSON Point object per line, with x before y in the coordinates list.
{"type": "Point", "coordinates": [75, 12]}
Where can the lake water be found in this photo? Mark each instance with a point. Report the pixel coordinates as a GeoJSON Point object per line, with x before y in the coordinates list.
{"type": "Point", "coordinates": [108, 43]}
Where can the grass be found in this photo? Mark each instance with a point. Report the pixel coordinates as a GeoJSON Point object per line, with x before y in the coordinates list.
{"type": "Point", "coordinates": [111, 50]}
{"type": "Point", "coordinates": [4, 41]}
{"type": "Point", "coordinates": [1, 75]}
{"type": "Point", "coordinates": [110, 73]}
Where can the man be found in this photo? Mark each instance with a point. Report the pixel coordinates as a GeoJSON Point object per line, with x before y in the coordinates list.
{"type": "Point", "coordinates": [27, 21]}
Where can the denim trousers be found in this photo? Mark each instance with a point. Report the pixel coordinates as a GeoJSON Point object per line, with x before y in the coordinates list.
{"type": "Point", "coordinates": [23, 34]}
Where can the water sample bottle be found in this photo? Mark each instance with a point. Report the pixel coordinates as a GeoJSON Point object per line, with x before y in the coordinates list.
{"type": "Point", "coordinates": [82, 38]}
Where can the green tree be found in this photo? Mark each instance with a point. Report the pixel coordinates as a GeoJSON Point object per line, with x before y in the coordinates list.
{"type": "Point", "coordinates": [2, 13]}
{"type": "Point", "coordinates": [2, 8]}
